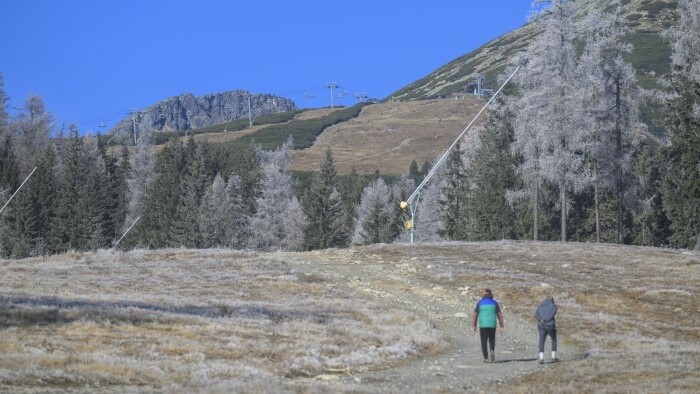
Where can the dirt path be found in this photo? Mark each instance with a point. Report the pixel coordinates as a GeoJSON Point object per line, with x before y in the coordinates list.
{"type": "Point", "coordinates": [397, 285]}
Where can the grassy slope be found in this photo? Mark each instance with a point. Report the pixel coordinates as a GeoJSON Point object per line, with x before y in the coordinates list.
{"type": "Point", "coordinates": [386, 137]}
{"type": "Point", "coordinates": [650, 58]}
{"type": "Point", "coordinates": [259, 322]}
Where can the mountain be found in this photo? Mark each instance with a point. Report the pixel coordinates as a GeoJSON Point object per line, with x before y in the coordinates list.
{"type": "Point", "coordinates": [418, 123]}
{"type": "Point", "coordinates": [185, 112]}
{"type": "Point", "coordinates": [651, 56]}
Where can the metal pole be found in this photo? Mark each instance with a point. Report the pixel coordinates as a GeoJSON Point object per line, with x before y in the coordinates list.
{"type": "Point", "coordinates": [126, 232]}
{"type": "Point", "coordinates": [330, 86]}
{"type": "Point", "coordinates": [20, 186]}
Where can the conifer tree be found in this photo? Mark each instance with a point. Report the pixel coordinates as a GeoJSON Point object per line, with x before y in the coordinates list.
{"type": "Point", "coordinates": [548, 132]}
{"type": "Point", "coordinates": [72, 231]}
{"type": "Point", "coordinates": [651, 226]}
{"type": "Point", "coordinates": [138, 183]}
{"type": "Point", "coordinates": [4, 116]}
{"type": "Point", "coordinates": [681, 189]}
{"type": "Point", "coordinates": [608, 83]}
{"type": "Point", "coordinates": [374, 223]}
{"type": "Point", "coordinates": [193, 186]}
{"type": "Point", "coordinates": [95, 222]}
{"type": "Point", "coordinates": [43, 191]}
{"type": "Point", "coordinates": [237, 220]}
{"type": "Point", "coordinates": [493, 173]}
{"type": "Point", "coordinates": [454, 197]}
{"type": "Point", "coordinates": [279, 221]}
{"type": "Point", "coordinates": [251, 174]}
{"type": "Point", "coordinates": [9, 169]}
{"type": "Point", "coordinates": [427, 224]}
{"type": "Point", "coordinates": [400, 191]}
{"type": "Point", "coordinates": [324, 209]}
{"type": "Point", "coordinates": [31, 132]}
{"type": "Point", "coordinates": [163, 198]}
{"type": "Point", "coordinates": [212, 219]}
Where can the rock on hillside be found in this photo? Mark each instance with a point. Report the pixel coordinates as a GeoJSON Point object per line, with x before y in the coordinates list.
{"type": "Point", "coordinates": [186, 111]}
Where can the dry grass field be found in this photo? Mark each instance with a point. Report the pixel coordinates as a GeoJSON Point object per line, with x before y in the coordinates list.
{"type": "Point", "coordinates": [388, 136]}
{"type": "Point", "coordinates": [384, 137]}
{"type": "Point", "coordinates": [371, 319]}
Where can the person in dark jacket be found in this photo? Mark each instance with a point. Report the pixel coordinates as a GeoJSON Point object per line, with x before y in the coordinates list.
{"type": "Point", "coordinates": [546, 325]}
{"type": "Point", "coordinates": [486, 312]}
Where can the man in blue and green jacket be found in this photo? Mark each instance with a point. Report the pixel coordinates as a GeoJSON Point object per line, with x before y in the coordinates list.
{"type": "Point", "coordinates": [486, 312]}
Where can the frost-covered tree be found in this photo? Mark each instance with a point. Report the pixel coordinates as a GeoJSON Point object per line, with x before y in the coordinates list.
{"type": "Point", "coordinates": [428, 226]}
{"type": "Point", "coordinates": [213, 218]}
{"type": "Point", "coordinates": [279, 221]}
{"type": "Point", "coordinates": [681, 189]}
{"type": "Point", "coordinates": [374, 215]}
{"type": "Point", "coordinates": [608, 83]}
{"type": "Point", "coordinates": [453, 204]}
{"type": "Point", "coordinates": [31, 131]}
{"type": "Point", "coordinates": [4, 116]}
{"type": "Point", "coordinates": [138, 182]}
{"type": "Point", "coordinates": [400, 190]}
{"type": "Point", "coordinates": [251, 173]}
{"type": "Point", "coordinates": [549, 135]}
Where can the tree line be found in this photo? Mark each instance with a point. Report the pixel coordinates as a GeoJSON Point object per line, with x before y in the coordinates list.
{"type": "Point", "coordinates": [563, 155]}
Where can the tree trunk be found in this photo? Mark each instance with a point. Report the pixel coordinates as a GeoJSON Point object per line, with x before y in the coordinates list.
{"type": "Point", "coordinates": [618, 159]}
{"type": "Point", "coordinates": [536, 211]}
{"type": "Point", "coordinates": [596, 189]}
{"type": "Point", "coordinates": [562, 199]}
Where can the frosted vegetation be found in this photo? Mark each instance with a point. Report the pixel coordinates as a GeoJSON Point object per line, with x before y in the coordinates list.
{"type": "Point", "coordinates": [175, 318]}
{"type": "Point", "coordinates": [563, 154]}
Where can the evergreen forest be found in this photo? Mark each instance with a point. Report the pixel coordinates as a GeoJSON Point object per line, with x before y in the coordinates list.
{"type": "Point", "coordinates": [564, 154]}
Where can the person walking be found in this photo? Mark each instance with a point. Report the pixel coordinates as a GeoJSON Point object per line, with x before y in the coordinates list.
{"type": "Point", "coordinates": [546, 325]}
{"type": "Point", "coordinates": [486, 313]}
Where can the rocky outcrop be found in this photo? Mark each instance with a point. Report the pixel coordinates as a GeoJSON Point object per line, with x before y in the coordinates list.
{"type": "Point", "coordinates": [185, 112]}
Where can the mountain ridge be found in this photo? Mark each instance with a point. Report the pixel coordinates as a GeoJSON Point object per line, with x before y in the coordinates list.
{"type": "Point", "coordinates": [187, 111]}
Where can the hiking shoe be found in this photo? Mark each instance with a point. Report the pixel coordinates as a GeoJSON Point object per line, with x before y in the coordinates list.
{"type": "Point", "coordinates": [555, 360]}
{"type": "Point", "coordinates": [541, 361]}
{"type": "Point", "coordinates": [486, 360]}
{"type": "Point", "coordinates": [492, 357]}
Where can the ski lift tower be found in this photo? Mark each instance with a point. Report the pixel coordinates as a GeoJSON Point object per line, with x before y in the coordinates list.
{"type": "Point", "coordinates": [331, 86]}
{"type": "Point", "coordinates": [479, 85]}
{"type": "Point", "coordinates": [412, 202]}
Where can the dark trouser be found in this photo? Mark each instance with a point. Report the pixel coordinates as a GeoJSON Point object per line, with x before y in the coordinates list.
{"type": "Point", "coordinates": [488, 335]}
{"type": "Point", "coordinates": [552, 332]}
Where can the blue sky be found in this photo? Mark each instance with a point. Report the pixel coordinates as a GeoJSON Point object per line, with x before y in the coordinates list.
{"type": "Point", "coordinates": [93, 60]}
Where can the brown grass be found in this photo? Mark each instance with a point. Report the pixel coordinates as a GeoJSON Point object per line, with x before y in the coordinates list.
{"type": "Point", "coordinates": [249, 322]}
{"type": "Point", "coordinates": [634, 311]}
{"type": "Point", "coordinates": [188, 319]}
{"type": "Point", "coordinates": [388, 136]}
{"type": "Point", "coordinates": [385, 137]}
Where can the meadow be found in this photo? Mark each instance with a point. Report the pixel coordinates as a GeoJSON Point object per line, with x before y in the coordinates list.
{"type": "Point", "coordinates": [341, 320]}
